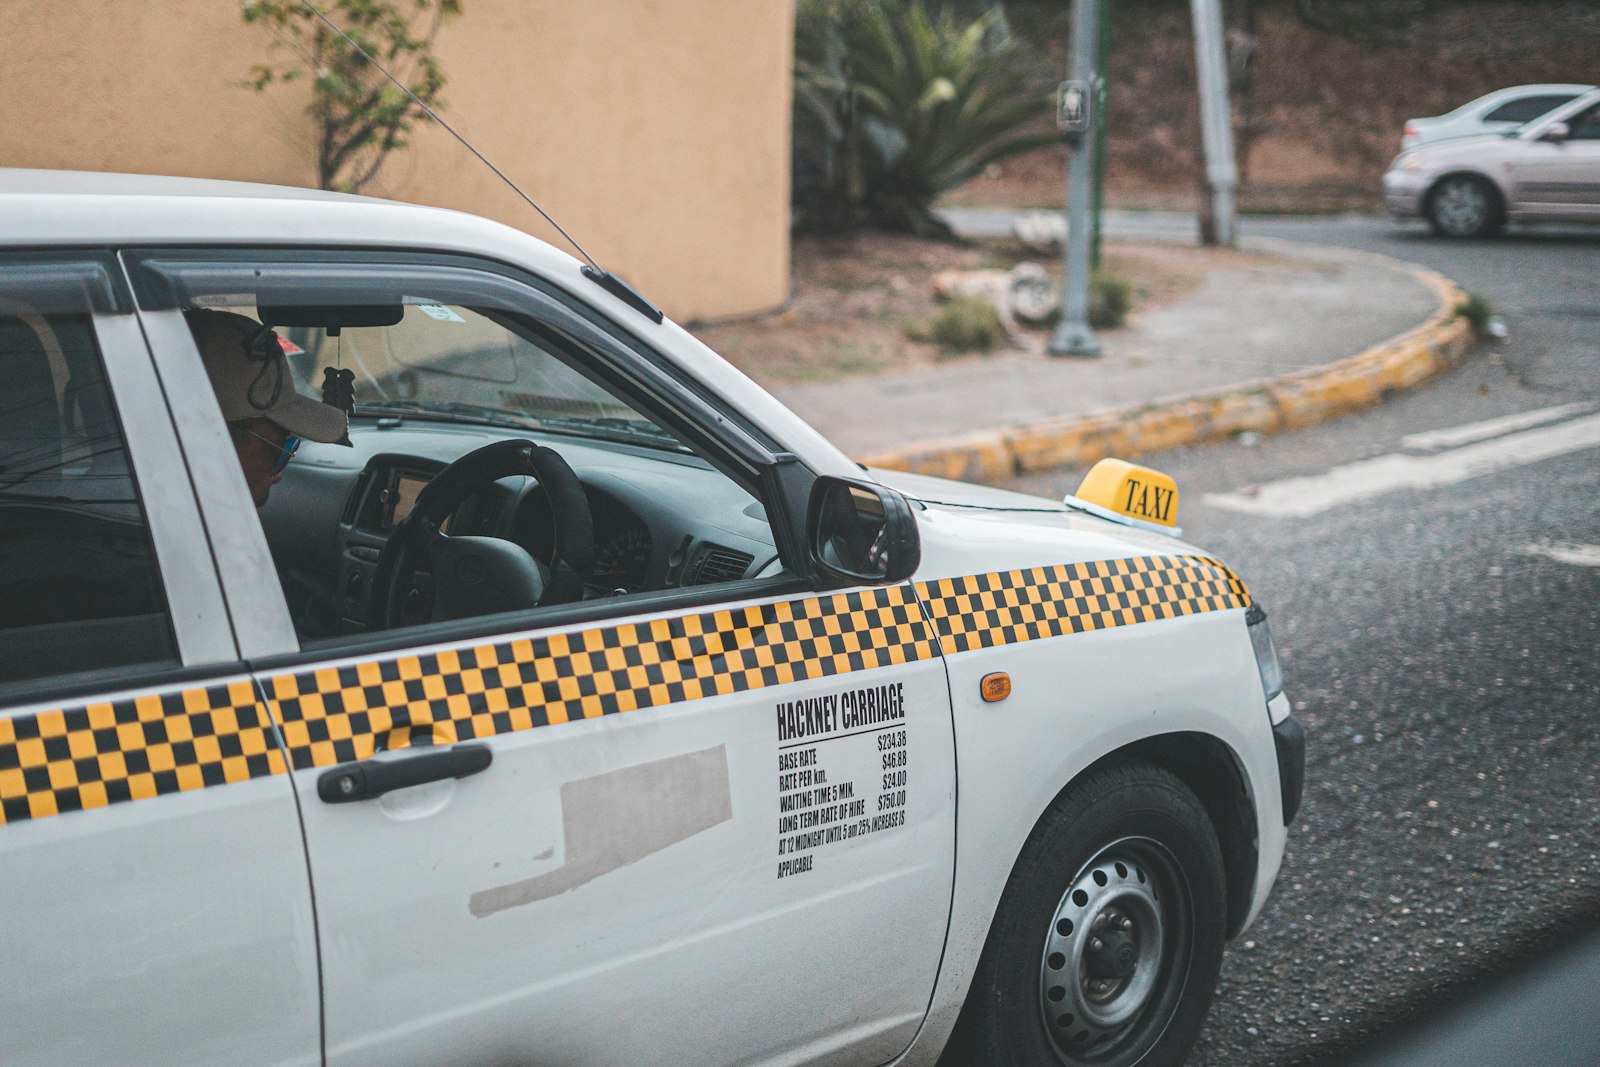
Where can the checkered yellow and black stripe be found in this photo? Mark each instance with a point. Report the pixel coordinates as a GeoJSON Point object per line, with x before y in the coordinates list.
{"type": "Point", "coordinates": [1004, 607]}
{"type": "Point", "coordinates": [338, 714]}
{"type": "Point", "coordinates": [167, 742]}
{"type": "Point", "coordinates": [86, 757]}
{"type": "Point", "coordinates": [90, 756]}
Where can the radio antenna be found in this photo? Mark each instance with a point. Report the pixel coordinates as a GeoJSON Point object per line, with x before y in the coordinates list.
{"type": "Point", "coordinates": [434, 115]}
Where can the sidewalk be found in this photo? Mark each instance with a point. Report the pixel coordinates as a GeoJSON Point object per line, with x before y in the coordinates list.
{"type": "Point", "coordinates": [1245, 322]}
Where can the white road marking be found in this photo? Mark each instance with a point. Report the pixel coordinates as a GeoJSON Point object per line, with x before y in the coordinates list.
{"type": "Point", "coordinates": [1299, 497]}
{"type": "Point", "coordinates": [1572, 552]}
{"type": "Point", "coordinates": [1456, 436]}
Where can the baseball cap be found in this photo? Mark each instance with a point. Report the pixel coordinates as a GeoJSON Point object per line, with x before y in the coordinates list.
{"type": "Point", "coordinates": [245, 363]}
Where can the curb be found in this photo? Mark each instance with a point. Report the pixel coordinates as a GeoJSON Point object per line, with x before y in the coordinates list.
{"type": "Point", "coordinates": [1266, 405]}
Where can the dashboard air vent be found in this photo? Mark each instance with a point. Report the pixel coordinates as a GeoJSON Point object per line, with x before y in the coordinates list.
{"type": "Point", "coordinates": [354, 500]}
{"type": "Point", "coordinates": [717, 564]}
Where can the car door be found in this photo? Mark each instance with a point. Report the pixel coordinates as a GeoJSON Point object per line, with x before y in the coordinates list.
{"type": "Point", "coordinates": [1561, 180]}
{"type": "Point", "coordinates": [154, 899]}
{"type": "Point", "coordinates": [697, 825]}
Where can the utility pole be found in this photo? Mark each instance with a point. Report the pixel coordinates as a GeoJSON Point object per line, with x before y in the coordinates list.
{"type": "Point", "coordinates": [1216, 125]}
{"type": "Point", "coordinates": [1102, 119]}
{"type": "Point", "coordinates": [1078, 117]}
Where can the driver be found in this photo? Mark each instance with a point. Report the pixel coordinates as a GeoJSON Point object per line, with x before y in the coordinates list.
{"type": "Point", "coordinates": [267, 419]}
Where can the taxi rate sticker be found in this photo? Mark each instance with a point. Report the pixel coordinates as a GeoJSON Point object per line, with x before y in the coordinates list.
{"type": "Point", "coordinates": [841, 770]}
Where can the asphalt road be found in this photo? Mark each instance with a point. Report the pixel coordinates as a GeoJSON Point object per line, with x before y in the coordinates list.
{"type": "Point", "coordinates": [1449, 678]}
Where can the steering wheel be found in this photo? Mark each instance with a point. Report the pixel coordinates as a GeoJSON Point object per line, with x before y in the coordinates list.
{"type": "Point", "coordinates": [482, 575]}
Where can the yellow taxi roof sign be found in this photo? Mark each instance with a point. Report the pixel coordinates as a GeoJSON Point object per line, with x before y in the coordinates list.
{"type": "Point", "coordinates": [1128, 493]}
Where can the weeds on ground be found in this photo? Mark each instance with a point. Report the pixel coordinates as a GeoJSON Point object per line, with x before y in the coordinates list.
{"type": "Point", "coordinates": [1110, 299]}
{"type": "Point", "coordinates": [973, 324]}
{"type": "Point", "coordinates": [966, 324]}
{"type": "Point", "coordinates": [1477, 310]}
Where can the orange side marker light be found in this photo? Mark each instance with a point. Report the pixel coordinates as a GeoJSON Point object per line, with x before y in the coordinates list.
{"type": "Point", "coordinates": [996, 686]}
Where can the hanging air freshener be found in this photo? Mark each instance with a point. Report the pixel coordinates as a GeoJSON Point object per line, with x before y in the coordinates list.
{"type": "Point", "coordinates": [339, 390]}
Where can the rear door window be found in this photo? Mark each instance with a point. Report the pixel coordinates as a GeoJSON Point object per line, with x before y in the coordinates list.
{"type": "Point", "coordinates": [1528, 108]}
{"type": "Point", "coordinates": [79, 586]}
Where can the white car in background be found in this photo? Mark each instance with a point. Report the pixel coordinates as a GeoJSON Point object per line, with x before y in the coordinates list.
{"type": "Point", "coordinates": [1547, 170]}
{"type": "Point", "coordinates": [1500, 110]}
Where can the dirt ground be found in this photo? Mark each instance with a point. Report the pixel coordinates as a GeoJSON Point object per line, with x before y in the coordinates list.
{"type": "Point", "coordinates": [853, 299]}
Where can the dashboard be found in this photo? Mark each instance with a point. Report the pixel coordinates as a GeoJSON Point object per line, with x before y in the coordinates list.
{"type": "Point", "coordinates": [662, 519]}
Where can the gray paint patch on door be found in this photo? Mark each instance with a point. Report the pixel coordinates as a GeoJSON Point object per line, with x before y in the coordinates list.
{"type": "Point", "coordinates": [618, 818]}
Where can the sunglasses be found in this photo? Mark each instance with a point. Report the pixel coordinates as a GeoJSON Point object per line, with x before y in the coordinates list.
{"type": "Point", "coordinates": [286, 450]}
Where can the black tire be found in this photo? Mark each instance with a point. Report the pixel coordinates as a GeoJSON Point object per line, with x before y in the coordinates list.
{"type": "Point", "coordinates": [1464, 205]}
{"type": "Point", "coordinates": [1123, 841]}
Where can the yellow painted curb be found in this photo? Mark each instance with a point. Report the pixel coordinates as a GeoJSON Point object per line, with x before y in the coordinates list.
{"type": "Point", "coordinates": [1290, 401]}
{"type": "Point", "coordinates": [979, 457]}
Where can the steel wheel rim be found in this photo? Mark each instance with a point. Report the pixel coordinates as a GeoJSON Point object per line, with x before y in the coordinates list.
{"type": "Point", "coordinates": [1132, 901]}
{"type": "Point", "coordinates": [1461, 206]}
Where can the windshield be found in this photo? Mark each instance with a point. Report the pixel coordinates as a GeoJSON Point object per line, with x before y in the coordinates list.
{"type": "Point", "coordinates": [451, 363]}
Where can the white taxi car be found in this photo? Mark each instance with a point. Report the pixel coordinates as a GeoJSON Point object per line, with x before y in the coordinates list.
{"type": "Point", "coordinates": [586, 707]}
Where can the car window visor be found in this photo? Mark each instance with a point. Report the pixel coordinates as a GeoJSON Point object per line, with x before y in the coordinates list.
{"type": "Point", "coordinates": [73, 283]}
{"type": "Point", "coordinates": [162, 284]}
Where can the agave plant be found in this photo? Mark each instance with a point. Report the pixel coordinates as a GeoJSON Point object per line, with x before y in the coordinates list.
{"type": "Point", "coordinates": [896, 105]}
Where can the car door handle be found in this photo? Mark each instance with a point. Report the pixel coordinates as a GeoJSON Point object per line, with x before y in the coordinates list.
{"type": "Point", "coordinates": [371, 778]}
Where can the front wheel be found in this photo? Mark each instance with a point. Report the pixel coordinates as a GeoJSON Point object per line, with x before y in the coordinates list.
{"type": "Point", "coordinates": [1464, 206]}
{"type": "Point", "coordinates": [1105, 948]}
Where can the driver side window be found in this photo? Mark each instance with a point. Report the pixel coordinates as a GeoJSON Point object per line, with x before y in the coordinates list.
{"type": "Point", "coordinates": [1585, 126]}
{"type": "Point", "coordinates": [496, 460]}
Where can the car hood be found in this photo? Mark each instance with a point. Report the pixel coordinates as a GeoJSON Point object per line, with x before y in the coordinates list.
{"type": "Point", "coordinates": [1021, 530]}
{"type": "Point", "coordinates": [1477, 146]}
{"type": "Point", "coordinates": [937, 491]}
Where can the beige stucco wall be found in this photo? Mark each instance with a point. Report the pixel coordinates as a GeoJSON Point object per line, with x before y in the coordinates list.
{"type": "Point", "coordinates": [655, 131]}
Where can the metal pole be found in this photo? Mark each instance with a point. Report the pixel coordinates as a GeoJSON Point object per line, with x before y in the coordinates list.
{"type": "Point", "coordinates": [1073, 336]}
{"type": "Point", "coordinates": [1216, 125]}
{"type": "Point", "coordinates": [1100, 122]}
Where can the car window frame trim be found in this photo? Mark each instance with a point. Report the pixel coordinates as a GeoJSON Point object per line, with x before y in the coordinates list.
{"type": "Point", "coordinates": [256, 608]}
{"type": "Point", "coordinates": [196, 603]}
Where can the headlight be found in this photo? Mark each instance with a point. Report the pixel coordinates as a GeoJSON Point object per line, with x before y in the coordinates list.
{"type": "Point", "coordinates": [1255, 620]}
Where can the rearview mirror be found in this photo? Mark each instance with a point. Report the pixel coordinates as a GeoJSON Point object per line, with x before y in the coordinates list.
{"type": "Point", "coordinates": [1557, 133]}
{"type": "Point", "coordinates": [862, 532]}
{"type": "Point", "coordinates": [331, 317]}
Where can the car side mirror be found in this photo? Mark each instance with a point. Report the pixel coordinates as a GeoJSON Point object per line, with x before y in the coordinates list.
{"type": "Point", "coordinates": [861, 531]}
{"type": "Point", "coordinates": [1557, 133]}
